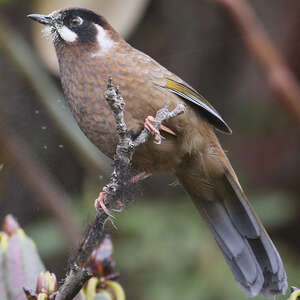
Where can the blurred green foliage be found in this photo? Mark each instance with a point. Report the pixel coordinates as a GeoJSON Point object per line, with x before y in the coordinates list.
{"type": "Point", "coordinates": [48, 236]}
{"type": "Point", "coordinates": [165, 251]}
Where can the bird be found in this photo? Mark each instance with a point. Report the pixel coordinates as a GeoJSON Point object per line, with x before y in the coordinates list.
{"type": "Point", "coordinates": [89, 52]}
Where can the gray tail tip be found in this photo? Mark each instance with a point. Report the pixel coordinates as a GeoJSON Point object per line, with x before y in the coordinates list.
{"type": "Point", "coordinates": [269, 290]}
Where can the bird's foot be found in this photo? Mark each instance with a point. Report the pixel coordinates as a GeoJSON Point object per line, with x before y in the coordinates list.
{"type": "Point", "coordinates": [99, 203]}
{"type": "Point", "coordinates": [157, 136]}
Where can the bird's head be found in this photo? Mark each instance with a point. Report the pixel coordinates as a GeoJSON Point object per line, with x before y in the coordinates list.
{"type": "Point", "coordinates": [73, 26]}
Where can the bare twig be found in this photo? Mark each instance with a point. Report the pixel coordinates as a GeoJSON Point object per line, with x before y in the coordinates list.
{"type": "Point", "coordinates": [281, 79]}
{"type": "Point", "coordinates": [124, 152]}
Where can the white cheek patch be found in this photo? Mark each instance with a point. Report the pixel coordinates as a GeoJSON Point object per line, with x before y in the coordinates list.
{"type": "Point", "coordinates": [104, 41]}
{"type": "Point", "coordinates": [67, 34]}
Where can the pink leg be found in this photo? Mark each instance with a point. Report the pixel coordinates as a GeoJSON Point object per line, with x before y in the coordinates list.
{"type": "Point", "coordinates": [157, 137]}
{"type": "Point", "coordinates": [140, 176]}
{"type": "Point", "coordinates": [100, 200]}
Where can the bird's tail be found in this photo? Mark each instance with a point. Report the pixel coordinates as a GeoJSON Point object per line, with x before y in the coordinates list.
{"type": "Point", "coordinates": [246, 246]}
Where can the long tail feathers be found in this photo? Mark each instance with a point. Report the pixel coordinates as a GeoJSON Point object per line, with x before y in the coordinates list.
{"type": "Point", "coordinates": [247, 248]}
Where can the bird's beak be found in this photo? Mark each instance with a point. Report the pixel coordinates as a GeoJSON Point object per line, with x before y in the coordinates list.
{"type": "Point", "coordinates": [43, 19]}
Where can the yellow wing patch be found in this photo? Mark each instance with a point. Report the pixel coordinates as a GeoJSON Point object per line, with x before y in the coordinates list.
{"type": "Point", "coordinates": [193, 96]}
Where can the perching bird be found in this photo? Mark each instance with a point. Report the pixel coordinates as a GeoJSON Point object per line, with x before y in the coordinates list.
{"type": "Point", "coordinates": [90, 51]}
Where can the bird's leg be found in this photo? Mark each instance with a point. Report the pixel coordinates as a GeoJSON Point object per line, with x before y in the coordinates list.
{"type": "Point", "coordinates": [134, 179]}
{"type": "Point", "coordinates": [139, 177]}
{"type": "Point", "coordinates": [99, 202]}
{"type": "Point", "coordinates": [157, 137]}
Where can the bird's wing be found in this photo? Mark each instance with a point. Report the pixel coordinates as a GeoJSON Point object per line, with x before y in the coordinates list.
{"type": "Point", "coordinates": [193, 96]}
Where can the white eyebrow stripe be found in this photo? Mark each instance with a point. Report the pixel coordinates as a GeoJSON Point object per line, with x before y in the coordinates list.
{"type": "Point", "coordinates": [67, 34]}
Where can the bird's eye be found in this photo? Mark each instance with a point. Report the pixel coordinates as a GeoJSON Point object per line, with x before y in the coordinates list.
{"type": "Point", "coordinates": [76, 21]}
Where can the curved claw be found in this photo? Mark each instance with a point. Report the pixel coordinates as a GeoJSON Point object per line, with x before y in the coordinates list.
{"type": "Point", "coordinates": [100, 202]}
{"type": "Point", "coordinates": [157, 136]}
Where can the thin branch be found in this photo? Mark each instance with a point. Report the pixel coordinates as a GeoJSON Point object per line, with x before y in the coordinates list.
{"type": "Point", "coordinates": [122, 163]}
{"type": "Point", "coordinates": [278, 74]}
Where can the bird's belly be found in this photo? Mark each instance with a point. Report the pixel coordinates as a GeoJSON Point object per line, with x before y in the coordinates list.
{"type": "Point", "coordinates": [152, 158]}
{"type": "Point", "coordinates": [100, 131]}
{"type": "Point", "coordinates": [91, 111]}
{"type": "Point", "coordinates": [100, 128]}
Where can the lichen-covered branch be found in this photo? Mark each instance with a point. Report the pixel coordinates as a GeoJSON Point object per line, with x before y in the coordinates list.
{"type": "Point", "coordinates": [78, 275]}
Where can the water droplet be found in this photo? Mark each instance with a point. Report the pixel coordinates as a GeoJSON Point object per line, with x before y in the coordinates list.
{"type": "Point", "coordinates": [101, 177]}
{"type": "Point", "coordinates": [36, 111]}
{"type": "Point", "coordinates": [60, 146]}
{"type": "Point", "coordinates": [44, 127]}
{"type": "Point", "coordinates": [1, 167]}
{"type": "Point", "coordinates": [45, 147]}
